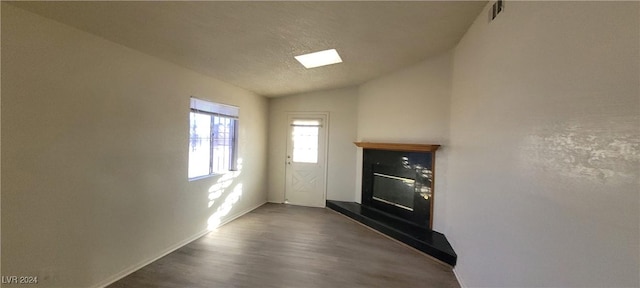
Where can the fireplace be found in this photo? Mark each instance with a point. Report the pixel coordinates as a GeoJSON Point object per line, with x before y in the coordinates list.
{"type": "Point", "coordinates": [397, 196]}
{"type": "Point", "coordinates": [399, 183]}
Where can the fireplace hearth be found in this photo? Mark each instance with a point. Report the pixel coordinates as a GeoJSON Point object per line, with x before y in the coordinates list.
{"type": "Point", "coordinates": [398, 195]}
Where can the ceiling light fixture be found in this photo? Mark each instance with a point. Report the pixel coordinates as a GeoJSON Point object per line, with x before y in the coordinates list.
{"type": "Point", "coordinates": [320, 58]}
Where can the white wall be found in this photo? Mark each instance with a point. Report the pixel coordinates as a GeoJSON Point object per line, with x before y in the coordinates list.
{"type": "Point", "coordinates": [410, 106]}
{"type": "Point", "coordinates": [94, 154]}
{"type": "Point", "coordinates": [545, 162]}
{"type": "Point", "coordinates": [341, 105]}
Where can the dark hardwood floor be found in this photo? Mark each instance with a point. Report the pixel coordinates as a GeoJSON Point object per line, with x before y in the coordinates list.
{"type": "Point", "coordinates": [280, 245]}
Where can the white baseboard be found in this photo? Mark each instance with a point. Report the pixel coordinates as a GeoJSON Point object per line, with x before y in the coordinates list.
{"type": "Point", "coordinates": [138, 266]}
{"type": "Point", "coordinates": [459, 279]}
{"type": "Point", "coordinates": [146, 262]}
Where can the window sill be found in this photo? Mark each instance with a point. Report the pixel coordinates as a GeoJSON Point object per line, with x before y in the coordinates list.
{"type": "Point", "coordinates": [203, 177]}
{"type": "Point", "coordinates": [210, 175]}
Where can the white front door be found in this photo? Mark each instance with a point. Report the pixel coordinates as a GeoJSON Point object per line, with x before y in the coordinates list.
{"type": "Point", "coordinates": [306, 159]}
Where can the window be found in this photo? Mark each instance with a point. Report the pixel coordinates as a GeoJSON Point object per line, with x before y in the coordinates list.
{"type": "Point", "coordinates": [304, 134]}
{"type": "Point", "coordinates": [212, 139]}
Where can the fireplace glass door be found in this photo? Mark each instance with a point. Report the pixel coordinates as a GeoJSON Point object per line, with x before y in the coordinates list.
{"type": "Point", "coordinates": [393, 190]}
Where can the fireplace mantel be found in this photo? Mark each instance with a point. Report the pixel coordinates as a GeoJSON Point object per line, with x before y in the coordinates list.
{"type": "Point", "coordinates": [398, 146]}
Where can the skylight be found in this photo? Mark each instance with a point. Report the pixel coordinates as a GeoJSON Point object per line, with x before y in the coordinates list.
{"type": "Point", "coordinates": [320, 58]}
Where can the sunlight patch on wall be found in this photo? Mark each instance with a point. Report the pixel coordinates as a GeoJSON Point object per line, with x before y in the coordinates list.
{"type": "Point", "coordinates": [216, 190]}
{"type": "Point", "coordinates": [223, 210]}
{"type": "Point", "coordinates": [602, 152]}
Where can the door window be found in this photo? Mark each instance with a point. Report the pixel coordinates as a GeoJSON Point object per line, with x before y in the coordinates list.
{"type": "Point", "coordinates": [304, 136]}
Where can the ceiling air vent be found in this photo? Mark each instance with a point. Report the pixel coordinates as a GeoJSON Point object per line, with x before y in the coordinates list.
{"type": "Point", "coordinates": [496, 9]}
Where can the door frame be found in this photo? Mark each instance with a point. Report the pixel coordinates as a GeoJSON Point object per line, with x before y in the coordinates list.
{"type": "Point", "coordinates": [310, 115]}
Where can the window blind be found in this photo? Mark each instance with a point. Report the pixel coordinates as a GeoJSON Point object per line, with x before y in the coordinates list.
{"type": "Point", "coordinates": [206, 107]}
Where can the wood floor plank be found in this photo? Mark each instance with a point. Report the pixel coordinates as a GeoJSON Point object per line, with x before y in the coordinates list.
{"type": "Point", "coordinates": [280, 245]}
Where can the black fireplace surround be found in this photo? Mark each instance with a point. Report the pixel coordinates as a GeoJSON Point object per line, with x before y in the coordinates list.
{"type": "Point", "coordinates": [399, 183]}
{"type": "Point", "coordinates": [397, 196]}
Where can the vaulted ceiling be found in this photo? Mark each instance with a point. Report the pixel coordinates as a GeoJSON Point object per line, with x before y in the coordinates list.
{"type": "Point", "coordinates": [252, 44]}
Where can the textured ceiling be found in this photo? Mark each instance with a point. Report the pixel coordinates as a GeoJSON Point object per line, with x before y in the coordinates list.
{"type": "Point", "coordinates": [252, 44]}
